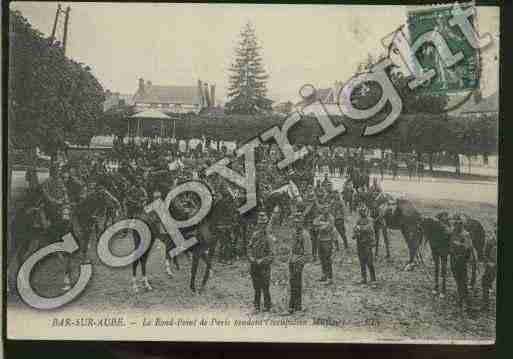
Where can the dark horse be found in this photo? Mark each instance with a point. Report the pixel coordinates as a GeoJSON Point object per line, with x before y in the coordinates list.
{"type": "Point", "coordinates": [28, 225]}
{"type": "Point", "coordinates": [279, 200]}
{"type": "Point", "coordinates": [477, 234]}
{"type": "Point", "coordinates": [437, 233]}
{"type": "Point", "coordinates": [31, 222]}
{"type": "Point", "coordinates": [403, 215]}
{"type": "Point", "coordinates": [208, 235]}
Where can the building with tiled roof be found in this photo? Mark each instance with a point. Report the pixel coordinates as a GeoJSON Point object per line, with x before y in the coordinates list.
{"type": "Point", "coordinates": [173, 98]}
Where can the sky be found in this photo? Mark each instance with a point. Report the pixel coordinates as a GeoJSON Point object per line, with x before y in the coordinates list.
{"type": "Point", "coordinates": [177, 44]}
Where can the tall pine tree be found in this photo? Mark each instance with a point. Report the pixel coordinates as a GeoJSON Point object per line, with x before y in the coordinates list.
{"type": "Point", "coordinates": [247, 81]}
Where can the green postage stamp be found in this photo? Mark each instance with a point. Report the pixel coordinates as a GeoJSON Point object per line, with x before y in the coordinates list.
{"type": "Point", "coordinates": [460, 77]}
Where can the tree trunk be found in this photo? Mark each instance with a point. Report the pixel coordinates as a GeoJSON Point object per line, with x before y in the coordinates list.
{"type": "Point", "coordinates": [431, 163]}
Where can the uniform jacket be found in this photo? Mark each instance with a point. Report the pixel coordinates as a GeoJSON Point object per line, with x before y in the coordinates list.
{"type": "Point", "coordinates": [260, 247]}
{"type": "Point", "coordinates": [364, 232]}
{"type": "Point", "coordinates": [301, 248]}
{"type": "Point", "coordinates": [325, 225]}
{"type": "Point", "coordinates": [338, 209]}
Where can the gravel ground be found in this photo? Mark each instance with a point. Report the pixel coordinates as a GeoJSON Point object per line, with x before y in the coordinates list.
{"type": "Point", "coordinates": [401, 304]}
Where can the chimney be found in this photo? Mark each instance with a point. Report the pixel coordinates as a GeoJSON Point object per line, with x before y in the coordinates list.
{"type": "Point", "coordinates": [141, 86]}
{"type": "Point", "coordinates": [213, 94]}
{"type": "Point", "coordinates": [201, 95]}
{"type": "Point", "coordinates": [207, 96]}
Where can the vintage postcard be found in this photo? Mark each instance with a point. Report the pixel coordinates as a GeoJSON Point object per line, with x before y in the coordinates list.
{"type": "Point", "coordinates": [252, 172]}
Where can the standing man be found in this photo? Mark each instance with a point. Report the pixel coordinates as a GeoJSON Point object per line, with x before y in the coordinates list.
{"type": "Point", "coordinates": [420, 169]}
{"type": "Point", "coordinates": [490, 272]}
{"type": "Point", "coordinates": [260, 257]}
{"type": "Point", "coordinates": [461, 251]}
{"type": "Point", "coordinates": [310, 214]}
{"type": "Point", "coordinates": [299, 255]}
{"type": "Point", "coordinates": [410, 164]}
{"type": "Point", "coordinates": [58, 208]}
{"type": "Point", "coordinates": [339, 215]}
{"type": "Point", "coordinates": [395, 167]}
{"type": "Point", "coordinates": [380, 226]}
{"type": "Point", "coordinates": [223, 217]}
{"type": "Point", "coordinates": [135, 200]}
{"type": "Point", "coordinates": [381, 166]}
{"type": "Point", "coordinates": [325, 224]}
{"type": "Point", "coordinates": [364, 234]}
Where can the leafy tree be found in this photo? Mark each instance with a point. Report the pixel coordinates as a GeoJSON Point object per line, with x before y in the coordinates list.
{"type": "Point", "coordinates": [114, 120]}
{"type": "Point", "coordinates": [52, 99]}
{"type": "Point", "coordinates": [247, 80]}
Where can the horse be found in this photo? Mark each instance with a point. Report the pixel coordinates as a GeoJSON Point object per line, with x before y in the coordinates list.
{"type": "Point", "coordinates": [403, 215]}
{"type": "Point", "coordinates": [204, 250]}
{"type": "Point", "coordinates": [117, 185]}
{"type": "Point", "coordinates": [436, 233]}
{"type": "Point", "coordinates": [28, 226]}
{"type": "Point", "coordinates": [284, 198]}
{"type": "Point", "coordinates": [94, 202]}
{"type": "Point", "coordinates": [349, 195]}
{"type": "Point", "coordinates": [477, 234]}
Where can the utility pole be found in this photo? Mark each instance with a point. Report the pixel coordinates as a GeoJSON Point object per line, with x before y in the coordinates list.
{"type": "Point", "coordinates": [56, 23]}
{"type": "Point", "coordinates": [52, 38]}
{"type": "Point", "coordinates": [65, 36]}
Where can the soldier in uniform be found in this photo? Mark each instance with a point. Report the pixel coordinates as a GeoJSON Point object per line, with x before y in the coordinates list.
{"type": "Point", "coordinates": [325, 224]}
{"type": "Point", "coordinates": [58, 208]}
{"type": "Point", "coordinates": [381, 167]}
{"type": "Point", "coordinates": [461, 250]}
{"type": "Point", "coordinates": [490, 270]}
{"type": "Point", "coordinates": [395, 167]}
{"type": "Point", "coordinates": [260, 257]}
{"type": "Point", "coordinates": [420, 169]}
{"type": "Point", "coordinates": [378, 220]}
{"type": "Point", "coordinates": [326, 183]}
{"type": "Point", "coordinates": [86, 211]}
{"type": "Point", "coordinates": [410, 165]}
{"type": "Point", "coordinates": [310, 214]}
{"type": "Point", "coordinates": [364, 235]}
{"type": "Point", "coordinates": [135, 200]}
{"type": "Point", "coordinates": [223, 217]}
{"type": "Point", "coordinates": [299, 256]}
{"type": "Point", "coordinates": [338, 211]}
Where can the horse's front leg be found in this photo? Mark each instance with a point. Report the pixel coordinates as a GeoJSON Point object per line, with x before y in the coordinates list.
{"type": "Point", "coordinates": [207, 258]}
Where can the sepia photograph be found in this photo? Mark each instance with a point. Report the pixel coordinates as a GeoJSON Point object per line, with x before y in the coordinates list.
{"type": "Point", "coordinates": [252, 172]}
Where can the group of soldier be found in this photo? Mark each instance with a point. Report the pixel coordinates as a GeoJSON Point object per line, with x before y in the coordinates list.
{"type": "Point", "coordinates": [318, 221]}
{"type": "Point", "coordinates": [344, 164]}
